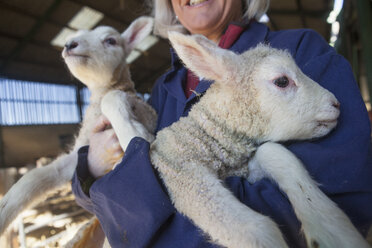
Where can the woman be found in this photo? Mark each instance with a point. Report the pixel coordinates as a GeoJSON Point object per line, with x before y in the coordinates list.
{"type": "Point", "coordinates": [131, 202]}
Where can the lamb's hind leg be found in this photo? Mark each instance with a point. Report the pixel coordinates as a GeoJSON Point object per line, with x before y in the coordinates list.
{"type": "Point", "coordinates": [323, 223]}
{"type": "Point", "coordinates": [200, 195]}
{"type": "Point", "coordinates": [33, 186]}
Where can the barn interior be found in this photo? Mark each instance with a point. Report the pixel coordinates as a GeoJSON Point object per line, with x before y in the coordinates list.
{"type": "Point", "coordinates": [42, 104]}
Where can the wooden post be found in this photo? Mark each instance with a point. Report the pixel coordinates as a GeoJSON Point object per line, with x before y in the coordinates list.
{"type": "Point", "coordinates": [79, 101]}
{"type": "Point", "coordinates": [2, 159]}
{"type": "Point", "coordinates": [365, 26]}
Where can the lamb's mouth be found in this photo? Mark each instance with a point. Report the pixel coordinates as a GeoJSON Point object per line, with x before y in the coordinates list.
{"type": "Point", "coordinates": [196, 2]}
{"type": "Point", "coordinates": [76, 59]}
{"type": "Point", "coordinates": [69, 54]}
{"type": "Point", "coordinates": [77, 55]}
{"type": "Point", "coordinates": [327, 123]}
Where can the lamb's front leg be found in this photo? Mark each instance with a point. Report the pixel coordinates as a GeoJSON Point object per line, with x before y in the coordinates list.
{"type": "Point", "coordinates": [323, 223]}
{"type": "Point", "coordinates": [116, 105]}
{"type": "Point", "coordinates": [197, 193]}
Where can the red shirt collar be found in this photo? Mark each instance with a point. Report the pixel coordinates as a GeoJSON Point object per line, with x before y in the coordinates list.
{"type": "Point", "coordinates": [231, 34]}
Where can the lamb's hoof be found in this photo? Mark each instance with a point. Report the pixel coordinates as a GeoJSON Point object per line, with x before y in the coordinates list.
{"type": "Point", "coordinates": [348, 237]}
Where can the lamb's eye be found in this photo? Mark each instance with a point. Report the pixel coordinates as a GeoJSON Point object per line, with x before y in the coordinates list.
{"type": "Point", "coordinates": [282, 82]}
{"type": "Point", "coordinates": [110, 41]}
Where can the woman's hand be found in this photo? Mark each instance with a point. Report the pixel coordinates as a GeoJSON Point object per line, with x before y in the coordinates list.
{"type": "Point", "coordinates": [104, 148]}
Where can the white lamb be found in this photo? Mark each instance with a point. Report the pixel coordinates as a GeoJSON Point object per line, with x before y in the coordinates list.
{"type": "Point", "coordinates": [96, 58]}
{"type": "Point", "coordinates": [258, 98]}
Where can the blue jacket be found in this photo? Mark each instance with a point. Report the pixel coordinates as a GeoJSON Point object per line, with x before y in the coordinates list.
{"type": "Point", "coordinates": [135, 210]}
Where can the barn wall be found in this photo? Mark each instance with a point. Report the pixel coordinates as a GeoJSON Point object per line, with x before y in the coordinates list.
{"type": "Point", "coordinates": [35, 142]}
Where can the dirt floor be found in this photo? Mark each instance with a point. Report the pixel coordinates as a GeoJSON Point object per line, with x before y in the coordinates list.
{"type": "Point", "coordinates": [50, 224]}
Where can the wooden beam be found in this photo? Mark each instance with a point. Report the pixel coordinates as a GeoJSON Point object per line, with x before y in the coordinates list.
{"type": "Point", "coordinates": [364, 9]}
{"type": "Point", "coordinates": [273, 24]}
{"type": "Point", "coordinates": [151, 77]}
{"type": "Point", "coordinates": [41, 64]}
{"type": "Point", "coordinates": [36, 27]}
{"type": "Point", "coordinates": [79, 101]}
{"type": "Point", "coordinates": [307, 13]}
{"type": "Point", "coordinates": [23, 12]}
{"type": "Point", "coordinates": [32, 78]}
{"type": "Point", "coordinates": [42, 44]}
{"type": "Point", "coordinates": [302, 16]}
{"type": "Point", "coordinates": [2, 159]}
{"type": "Point", "coordinates": [107, 14]}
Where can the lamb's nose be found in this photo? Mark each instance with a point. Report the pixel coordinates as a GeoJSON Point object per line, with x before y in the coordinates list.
{"type": "Point", "coordinates": [71, 45]}
{"type": "Point", "coordinates": [336, 104]}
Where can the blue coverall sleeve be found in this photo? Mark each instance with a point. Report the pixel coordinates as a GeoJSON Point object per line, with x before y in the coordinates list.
{"type": "Point", "coordinates": [129, 201]}
{"type": "Point", "coordinates": [80, 176]}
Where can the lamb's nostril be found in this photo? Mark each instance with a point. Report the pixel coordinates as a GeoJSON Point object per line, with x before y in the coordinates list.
{"type": "Point", "coordinates": [71, 45]}
{"type": "Point", "coordinates": [336, 105]}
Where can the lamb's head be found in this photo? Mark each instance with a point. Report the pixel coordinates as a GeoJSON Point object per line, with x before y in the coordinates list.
{"type": "Point", "coordinates": [261, 93]}
{"type": "Point", "coordinates": [97, 57]}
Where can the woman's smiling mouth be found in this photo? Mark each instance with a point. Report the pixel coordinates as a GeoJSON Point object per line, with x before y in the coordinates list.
{"type": "Point", "coordinates": [196, 2]}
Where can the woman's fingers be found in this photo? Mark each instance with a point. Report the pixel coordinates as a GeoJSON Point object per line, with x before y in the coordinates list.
{"type": "Point", "coordinates": [104, 150]}
{"type": "Point", "coordinates": [102, 124]}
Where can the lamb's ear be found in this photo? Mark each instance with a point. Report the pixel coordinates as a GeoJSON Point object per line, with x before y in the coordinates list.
{"type": "Point", "coordinates": [204, 57]}
{"type": "Point", "coordinates": [137, 31]}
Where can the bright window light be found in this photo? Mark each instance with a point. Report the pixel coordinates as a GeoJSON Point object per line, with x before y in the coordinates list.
{"type": "Point", "coordinates": [86, 18]}
{"type": "Point", "coordinates": [148, 42]}
{"type": "Point", "coordinates": [336, 10]}
{"type": "Point", "coordinates": [30, 103]}
{"type": "Point", "coordinates": [133, 56]}
{"type": "Point", "coordinates": [335, 27]}
{"type": "Point", "coordinates": [143, 46]}
{"type": "Point", "coordinates": [264, 19]}
{"type": "Point", "coordinates": [61, 38]}
{"type": "Point", "coordinates": [337, 7]}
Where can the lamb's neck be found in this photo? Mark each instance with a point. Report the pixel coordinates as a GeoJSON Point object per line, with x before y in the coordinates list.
{"type": "Point", "coordinates": [98, 93]}
{"type": "Point", "coordinates": [94, 109]}
{"type": "Point", "coordinates": [238, 147]}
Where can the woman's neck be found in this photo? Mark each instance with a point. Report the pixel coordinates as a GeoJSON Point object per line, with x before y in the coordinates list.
{"type": "Point", "coordinates": [216, 35]}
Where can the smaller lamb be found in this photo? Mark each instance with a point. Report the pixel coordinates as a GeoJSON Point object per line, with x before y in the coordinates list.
{"type": "Point", "coordinates": [258, 98]}
{"type": "Point", "coordinates": [96, 58]}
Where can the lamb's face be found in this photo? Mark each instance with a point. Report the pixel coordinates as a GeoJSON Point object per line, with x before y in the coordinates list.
{"type": "Point", "coordinates": [93, 56]}
{"type": "Point", "coordinates": [97, 57]}
{"type": "Point", "coordinates": [260, 93]}
{"type": "Point", "coordinates": [293, 105]}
